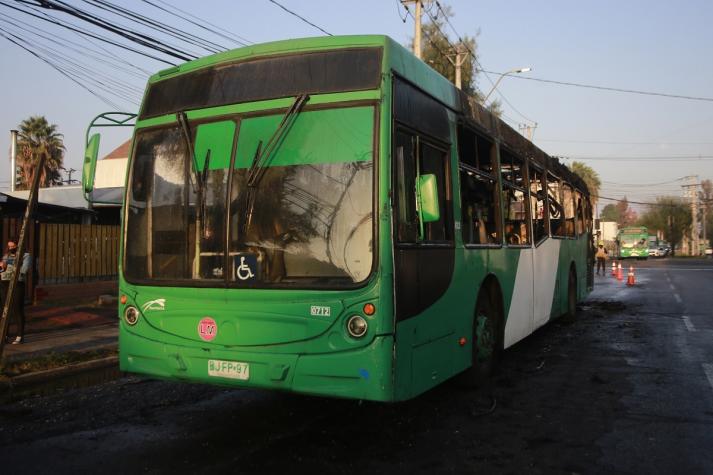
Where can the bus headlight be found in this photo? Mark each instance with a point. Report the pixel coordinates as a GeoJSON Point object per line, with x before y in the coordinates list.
{"type": "Point", "coordinates": [356, 326]}
{"type": "Point", "coordinates": [131, 315]}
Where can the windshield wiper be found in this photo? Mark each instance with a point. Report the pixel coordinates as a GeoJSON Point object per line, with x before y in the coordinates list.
{"type": "Point", "coordinates": [262, 157]}
{"type": "Point", "coordinates": [186, 132]}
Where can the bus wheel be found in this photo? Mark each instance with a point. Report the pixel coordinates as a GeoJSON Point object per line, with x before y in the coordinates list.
{"type": "Point", "coordinates": [486, 342]}
{"type": "Point", "coordinates": [571, 313]}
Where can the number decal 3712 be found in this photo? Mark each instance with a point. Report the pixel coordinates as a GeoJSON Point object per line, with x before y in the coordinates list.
{"type": "Point", "coordinates": [317, 311]}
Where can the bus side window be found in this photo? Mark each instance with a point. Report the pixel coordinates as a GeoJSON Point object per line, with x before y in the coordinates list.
{"type": "Point", "coordinates": [435, 161]}
{"type": "Point", "coordinates": [556, 212]}
{"type": "Point", "coordinates": [537, 205]}
{"type": "Point", "coordinates": [512, 170]}
{"type": "Point", "coordinates": [407, 219]}
{"type": "Point", "coordinates": [580, 212]}
{"type": "Point", "coordinates": [568, 205]}
{"type": "Point", "coordinates": [478, 189]}
{"type": "Point", "coordinates": [479, 210]}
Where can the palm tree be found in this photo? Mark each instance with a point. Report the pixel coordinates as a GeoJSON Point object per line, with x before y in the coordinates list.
{"type": "Point", "coordinates": [590, 177]}
{"type": "Point", "coordinates": [38, 137]}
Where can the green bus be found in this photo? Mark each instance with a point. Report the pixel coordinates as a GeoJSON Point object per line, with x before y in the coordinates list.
{"type": "Point", "coordinates": [633, 241]}
{"type": "Point", "coordinates": [331, 216]}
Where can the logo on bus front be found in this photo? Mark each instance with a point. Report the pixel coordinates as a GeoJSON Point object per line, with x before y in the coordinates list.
{"type": "Point", "coordinates": [207, 329]}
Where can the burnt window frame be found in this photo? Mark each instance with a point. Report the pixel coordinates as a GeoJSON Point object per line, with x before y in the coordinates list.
{"type": "Point", "coordinates": [463, 166]}
{"type": "Point", "coordinates": [512, 184]}
{"type": "Point", "coordinates": [545, 211]}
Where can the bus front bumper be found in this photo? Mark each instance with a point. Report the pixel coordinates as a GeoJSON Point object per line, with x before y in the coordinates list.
{"type": "Point", "coordinates": [363, 373]}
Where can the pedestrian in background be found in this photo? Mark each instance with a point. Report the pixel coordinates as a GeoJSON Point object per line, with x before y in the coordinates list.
{"type": "Point", "coordinates": [601, 257]}
{"type": "Point", "coordinates": [8, 267]}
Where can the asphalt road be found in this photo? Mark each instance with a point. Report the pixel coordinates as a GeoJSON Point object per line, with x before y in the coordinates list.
{"type": "Point", "coordinates": [627, 388]}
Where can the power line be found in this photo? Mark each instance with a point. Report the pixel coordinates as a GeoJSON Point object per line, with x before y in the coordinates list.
{"type": "Point", "coordinates": [199, 25]}
{"type": "Point", "coordinates": [645, 184]}
{"type": "Point", "coordinates": [672, 158]}
{"type": "Point", "coordinates": [606, 88]}
{"type": "Point", "coordinates": [131, 35]}
{"type": "Point", "coordinates": [76, 70]}
{"type": "Point", "coordinates": [605, 142]}
{"type": "Point", "coordinates": [200, 21]}
{"type": "Point", "coordinates": [475, 58]}
{"type": "Point", "coordinates": [301, 18]}
{"type": "Point", "coordinates": [99, 96]}
{"type": "Point", "coordinates": [80, 31]}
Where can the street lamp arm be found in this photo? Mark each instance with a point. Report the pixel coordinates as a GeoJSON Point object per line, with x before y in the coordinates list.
{"type": "Point", "coordinates": [512, 71]}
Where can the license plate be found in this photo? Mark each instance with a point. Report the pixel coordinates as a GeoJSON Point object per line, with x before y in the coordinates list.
{"type": "Point", "coordinates": [229, 369]}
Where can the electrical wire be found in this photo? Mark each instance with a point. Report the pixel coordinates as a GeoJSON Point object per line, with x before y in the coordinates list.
{"type": "Point", "coordinates": [606, 88]}
{"type": "Point", "coordinates": [301, 17]}
{"type": "Point", "coordinates": [200, 25]}
{"type": "Point", "coordinates": [131, 35]}
{"type": "Point", "coordinates": [83, 32]}
{"type": "Point", "coordinates": [97, 95]}
{"type": "Point", "coordinates": [475, 58]}
{"type": "Point", "coordinates": [228, 35]}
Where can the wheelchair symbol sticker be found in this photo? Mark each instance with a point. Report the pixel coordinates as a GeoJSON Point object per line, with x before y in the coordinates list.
{"type": "Point", "coordinates": [245, 267]}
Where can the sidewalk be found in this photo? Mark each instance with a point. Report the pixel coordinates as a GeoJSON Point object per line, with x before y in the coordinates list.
{"type": "Point", "coordinates": [52, 329]}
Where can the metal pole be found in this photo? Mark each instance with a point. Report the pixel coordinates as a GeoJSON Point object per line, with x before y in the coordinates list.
{"type": "Point", "coordinates": [417, 32]}
{"type": "Point", "coordinates": [13, 159]}
{"type": "Point", "coordinates": [29, 211]}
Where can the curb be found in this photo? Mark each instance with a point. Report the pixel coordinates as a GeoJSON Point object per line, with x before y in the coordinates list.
{"type": "Point", "coordinates": [82, 374]}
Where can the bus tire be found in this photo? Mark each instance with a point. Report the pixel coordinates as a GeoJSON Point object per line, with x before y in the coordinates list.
{"type": "Point", "coordinates": [571, 313]}
{"type": "Point", "coordinates": [486, 339]}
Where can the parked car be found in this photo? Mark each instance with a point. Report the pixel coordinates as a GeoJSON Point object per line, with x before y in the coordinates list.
{"type": "Point", "coordinates": [709, 252]}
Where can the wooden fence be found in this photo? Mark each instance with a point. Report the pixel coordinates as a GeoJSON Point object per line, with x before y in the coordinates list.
{"type": "Point", "coordinates": [77, 252]}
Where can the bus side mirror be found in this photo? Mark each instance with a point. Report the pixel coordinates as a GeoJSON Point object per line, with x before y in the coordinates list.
{"type": "Point", "coordinates": [90, 163]}
{"type": "Point", "coordinates": [427, 195]}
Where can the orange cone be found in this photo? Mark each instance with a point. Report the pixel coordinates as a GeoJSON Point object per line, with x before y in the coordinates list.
{"type": "Point", "coordinates": [631, 280]}
{"type": "Point", "coordinates": [619, 273]}
{"type": "Point", "coordinates": [613, 268]}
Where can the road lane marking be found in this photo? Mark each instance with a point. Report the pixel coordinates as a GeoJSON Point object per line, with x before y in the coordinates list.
{"type": "Point", "coordinates": [678, 298]}
{"type": "Point", "coordinates": [672, 287]}
{"type": "Point", "coordinates": [677, 269]}
{"type": "Point", "coordinates": [708, 368]}
{"type": "Point", "coordinates": [689, 324]}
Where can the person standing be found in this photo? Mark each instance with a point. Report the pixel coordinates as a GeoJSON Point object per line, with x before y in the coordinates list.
{"type": "Point", "coordinates": [601, 257]}
{"type": "Point", "coordinates": [8, 266]}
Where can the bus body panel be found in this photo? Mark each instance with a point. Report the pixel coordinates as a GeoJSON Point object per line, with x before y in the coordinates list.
{"type": "Point", "coordinates": [274, 330]}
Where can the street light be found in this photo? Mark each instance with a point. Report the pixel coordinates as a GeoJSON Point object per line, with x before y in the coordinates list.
{"type": "Point", "coordinates": [512, 71]}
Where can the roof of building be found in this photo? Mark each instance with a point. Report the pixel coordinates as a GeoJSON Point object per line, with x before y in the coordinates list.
{"type": "Point", "coordinates": [122, 151]}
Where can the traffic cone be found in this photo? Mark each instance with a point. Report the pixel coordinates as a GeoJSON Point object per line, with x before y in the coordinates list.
{"type": "Point", "coordinates": [631, 280]}
{"type": "Point", "coordinates": [613, 268]}
{"type": "Point", "coordinates": [619, 273]}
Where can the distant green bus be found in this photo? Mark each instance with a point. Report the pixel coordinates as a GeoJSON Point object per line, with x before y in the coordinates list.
{"type": "Point", "coordinates": [633, 241]}
{"type": "Point", "coordinates": [331, 216]}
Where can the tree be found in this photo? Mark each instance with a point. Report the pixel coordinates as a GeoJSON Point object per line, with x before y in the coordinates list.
{"type": "Point", "coordinates": [38, 137]}
{"type": "Point", "coordinates": [610, 213]}
{"type": "Point", "coordinates": [627, 216]}
{"type": "Point", "coordinates": [671, 215]}
{"type": "Point", "coordinates": [436, 47]}
{"type": "Point", "coordinates": [590, 177]}
{"type": "Point", "coordinates": [619, 212]}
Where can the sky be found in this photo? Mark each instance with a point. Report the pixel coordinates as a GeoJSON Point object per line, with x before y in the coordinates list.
{"type": "Point", "coordinates": [635, 142]}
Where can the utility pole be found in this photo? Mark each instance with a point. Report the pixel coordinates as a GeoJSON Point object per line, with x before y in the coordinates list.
{"type": "Point", "coordinates": [417, 26]}
{"type": "Point", "coordinates": [527, 130]}
{"type": "Point", "coordinates": [13, 159]}
{"type": "Point", "coordinates": [9, 300]}
{"type": "Point", "coordinates": [457, 59]}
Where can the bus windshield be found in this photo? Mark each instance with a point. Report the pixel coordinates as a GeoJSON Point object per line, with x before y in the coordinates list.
{"type": "Point", "coordinates": [309, 220]}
